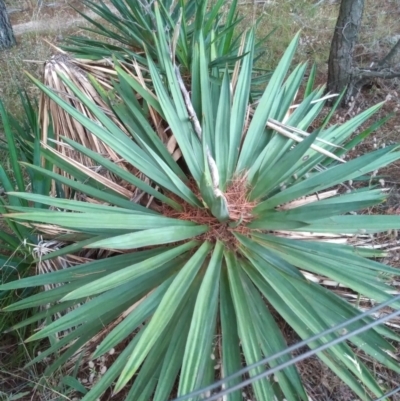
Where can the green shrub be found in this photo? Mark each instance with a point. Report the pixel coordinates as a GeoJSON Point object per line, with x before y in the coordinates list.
{"type": "Point", "coordinates": [21, 144]}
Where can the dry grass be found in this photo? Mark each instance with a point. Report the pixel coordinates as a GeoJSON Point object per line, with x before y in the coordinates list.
{"type": "Point", "coordinates": [12, 68]}
{"type": "Point", "coordinates": [316, 20]}
{"type": "Point", "coordinates": [32, 28]}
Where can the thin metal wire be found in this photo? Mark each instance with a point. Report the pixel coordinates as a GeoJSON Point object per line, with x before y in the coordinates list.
{"type": "Point", "coordinates": [301, 357]}
{"type": "Point", "coordinates": [297, 346]}
{"type": "Point", "coordinates": [390, 393]}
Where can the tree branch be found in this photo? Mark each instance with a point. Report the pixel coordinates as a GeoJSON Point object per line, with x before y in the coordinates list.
{"type": "Point", "coordinates": [384, 74]}
{"type": "Point", "coordinates": [390, 55]}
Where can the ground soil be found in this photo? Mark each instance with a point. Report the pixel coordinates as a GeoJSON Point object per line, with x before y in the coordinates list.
{"type": "Point", "coordinates": [48, 17]}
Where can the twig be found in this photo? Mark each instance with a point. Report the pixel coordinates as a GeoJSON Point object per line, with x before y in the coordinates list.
{"type": "Point", "coordinates": [16, 10]}
{"type": "Point", "coordinates": [385, 74]}
{"type": "Point", "coordinates": [296, 138]}
{"type": "Point", "coordinates": [301, 132]}
{"type": "Point", "coordinates": [326, 97]}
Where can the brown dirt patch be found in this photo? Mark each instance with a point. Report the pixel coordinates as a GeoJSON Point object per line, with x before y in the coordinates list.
{"type": "Point", "coordinates": [51, 17]}
{"type": "Point", "coordinates": [27, 12]}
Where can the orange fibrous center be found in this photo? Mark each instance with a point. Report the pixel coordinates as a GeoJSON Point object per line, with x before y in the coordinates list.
{"type": "Point", "coordinates": [239, 207]}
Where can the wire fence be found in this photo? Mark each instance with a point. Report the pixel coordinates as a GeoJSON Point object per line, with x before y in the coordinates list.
{"type": "Point", "coordinates": [221, 390]}
{"type": "Point", "coordinates": [388, 394]}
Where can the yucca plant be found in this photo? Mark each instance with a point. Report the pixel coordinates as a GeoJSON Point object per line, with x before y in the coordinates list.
{"type": "Point", "coordinates": [124, 29]}
{"type": "Point", "coordinates": [21, 144]}
{"type": "Point", "coordinates": [84, 75]}
{"type": "Point", "coordinates": [223, 246]}
{"type": "Point", "coordinates": [131, 24]}
{"type": "Point", "coordinates": [127, 28]}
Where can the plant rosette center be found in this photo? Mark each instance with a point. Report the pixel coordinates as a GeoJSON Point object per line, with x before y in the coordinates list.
{"type": "Point", "coordinates": [239, 207]}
